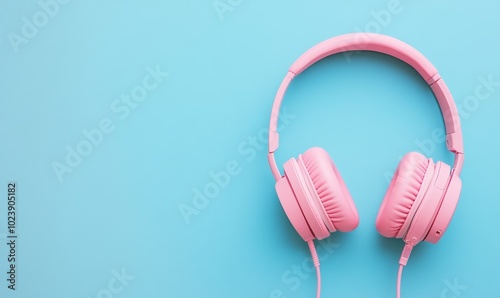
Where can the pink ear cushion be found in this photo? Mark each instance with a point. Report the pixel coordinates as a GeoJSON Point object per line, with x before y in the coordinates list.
{"type": "Point", "coordinates": [401, 194]}
{"type": "Point", "coordinates": [331, 189]}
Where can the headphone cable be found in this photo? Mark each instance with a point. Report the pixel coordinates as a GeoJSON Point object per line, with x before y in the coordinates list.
{"type": "Point", "coordinates": [405, 255]}
{"type": "Point", "coordinates": [315, 259]}
{"type": "Point", "coordinates": [398, 285]}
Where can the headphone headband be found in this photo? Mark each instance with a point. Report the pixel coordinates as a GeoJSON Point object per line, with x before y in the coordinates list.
{"type": "Point", "coordinates": [386, 45]}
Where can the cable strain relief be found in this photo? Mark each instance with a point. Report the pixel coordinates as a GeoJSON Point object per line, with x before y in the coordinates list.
{"type": "Point", "coordinates": [314, 254]}
{"type": "Point", "coordinates": [405, 255]}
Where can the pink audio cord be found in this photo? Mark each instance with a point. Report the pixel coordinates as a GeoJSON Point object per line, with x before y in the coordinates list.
{"type": "Point", "coordinates": [315, 259]}
{"type": "Point", "coordinates": [405, 255]}
{"type": "Point", "coordinates": [398, 285]}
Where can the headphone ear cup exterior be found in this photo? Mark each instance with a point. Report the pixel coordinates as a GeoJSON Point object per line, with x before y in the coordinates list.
{"type": "Point", "coordinates": [428, 209]}
{"type": "Point", "coordinates": [305, 198]}
{"type": "Point", "coordinates": [330, 189]}
{"type": "Point", "coordinates": [292, 209]}
{"type": "Point", "coordinates": [404, 191]}
{"type": "Point", "coordinates": [446, 210]}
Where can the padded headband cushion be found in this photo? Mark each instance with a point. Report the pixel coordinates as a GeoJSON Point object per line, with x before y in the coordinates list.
{"type": "Point", "coordinates": [331, 189]}
{"type": "Point", "coordinates": [401, 194]}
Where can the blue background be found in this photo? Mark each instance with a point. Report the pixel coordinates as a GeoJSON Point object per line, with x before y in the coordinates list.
{"type": "Point", "coordinates": [118, 210]}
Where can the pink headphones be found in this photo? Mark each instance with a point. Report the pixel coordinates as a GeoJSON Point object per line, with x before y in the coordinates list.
{"type": "Point", "coordinates": [422, 195]}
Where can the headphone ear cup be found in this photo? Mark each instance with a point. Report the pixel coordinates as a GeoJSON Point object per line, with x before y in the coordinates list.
{"type": "Point", "coordinates": [330, 189]}
{"type": "Point", "coordinates": [446, 210]}
{"type": "Point", "coordinates": [292, 209]}
{"type": "Point", "coordinates": [401, 195]}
